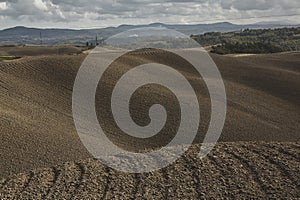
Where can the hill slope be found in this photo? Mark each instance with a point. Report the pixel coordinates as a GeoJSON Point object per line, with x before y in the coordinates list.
{"type": "Point", "coordinates": [24, 35]}
{"type": "Point", "coordinates": [232, 170]}
{"type": "Point", "coordinates": [252, 41]}
{"type": "Point", "coordinates": [37, 128]}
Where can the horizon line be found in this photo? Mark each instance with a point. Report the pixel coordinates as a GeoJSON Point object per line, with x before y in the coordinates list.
{"type": "Point", "coordinates": [167, 24]}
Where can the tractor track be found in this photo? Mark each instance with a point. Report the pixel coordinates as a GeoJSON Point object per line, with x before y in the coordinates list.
{"type": "Point", "coordinates": [232, 170]}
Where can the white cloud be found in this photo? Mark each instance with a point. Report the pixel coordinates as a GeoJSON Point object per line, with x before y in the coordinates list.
{"type": "Point", "coordinates": [3, 6]}
{"type": "Point", "coordinates": [100, 13]}
{"type": "Point", "coordinates": [40, 5]}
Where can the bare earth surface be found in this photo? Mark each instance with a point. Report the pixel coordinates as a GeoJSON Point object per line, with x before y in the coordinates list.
{"type": "Point", "coordinates": [258, 156]}
{"type": "Point", "coordinates": [232, 170]}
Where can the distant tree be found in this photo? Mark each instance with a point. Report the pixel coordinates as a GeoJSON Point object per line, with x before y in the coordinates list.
{"type": "Point", "coordinates": [252, 40]}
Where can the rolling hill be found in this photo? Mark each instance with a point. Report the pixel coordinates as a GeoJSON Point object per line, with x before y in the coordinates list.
{"type": "Point", "coordinates": [43, 157]}
{"type": "Point", "coordinates": [24, 35]}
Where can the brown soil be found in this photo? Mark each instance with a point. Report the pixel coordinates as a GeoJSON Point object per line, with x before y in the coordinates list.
{"type": "Point", "coordinates": [37, 131]}
{"type": "Point", "coordinates": [232, 170]}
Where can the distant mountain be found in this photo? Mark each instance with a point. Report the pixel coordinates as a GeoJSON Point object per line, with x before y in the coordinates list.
{"type": "Point", "coordinates": [285, 22]}
{"type": "Point", "coordinates": [36, 36]}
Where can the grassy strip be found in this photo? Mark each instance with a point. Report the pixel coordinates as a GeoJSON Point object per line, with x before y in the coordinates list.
{"type": "Point", "coordinates": [9, 57]}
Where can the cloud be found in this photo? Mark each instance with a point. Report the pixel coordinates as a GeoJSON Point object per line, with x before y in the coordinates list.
{"type": "Point", "coordinates": [85, 13]}
{"type": "Point", "coordinates": [28, 10]}
{"type": "Point", "coordinates": [3, 6]}
{"type": "Point", "coordinates": [260, 4]}
{"type": "Point", "coordinates": [40, 5]}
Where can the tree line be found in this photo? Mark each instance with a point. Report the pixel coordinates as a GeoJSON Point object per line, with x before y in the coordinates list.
{"type": "Point", "coordinates": [251, 41]}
